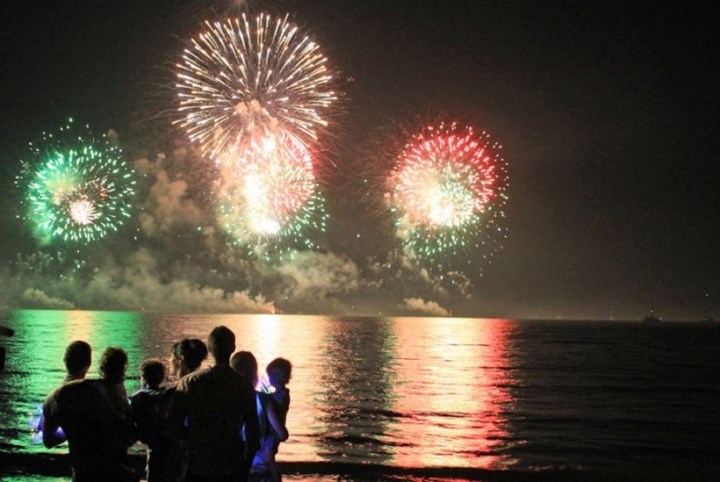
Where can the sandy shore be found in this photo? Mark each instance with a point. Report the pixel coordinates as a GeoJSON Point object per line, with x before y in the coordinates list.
{"type": "Point", "coordinates": [56, 465]}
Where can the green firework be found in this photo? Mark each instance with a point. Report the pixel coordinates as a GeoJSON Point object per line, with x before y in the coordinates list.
{"type": "Point", "coordinates": [77, 187]}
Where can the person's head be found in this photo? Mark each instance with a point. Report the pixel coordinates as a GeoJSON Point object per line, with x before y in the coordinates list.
{"type": "Point", "coordinates": [245, 364]}
{"type": "Point", "coordinates": [152, 372]}
{"type": "Point", "coordinates": [221, 343]}
{"type": "Point", "coordinates": [187, 356]}
{"type": "Point", "coordinates": [77, 359]}
{"type": "Point", "coordinates": [279, 372]}
{"type": "Point", "coordinates": [113, 364]}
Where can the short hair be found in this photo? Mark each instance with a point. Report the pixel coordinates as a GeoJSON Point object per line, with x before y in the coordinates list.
{"type": "Point", "coordinates": [245, 364]}
{"type": "Point", "coordinates": [221, 342]}
{"type": "Point", "coordinates": [153, 371]}
{"type": "Point", "coordinates": [192, 350]}
{"type": "Point", "coordinates": [113, 364]}
{"type": "Point", "coordinates": [78, 356]}
{"type": "Point", "coordinates": [280, 368]}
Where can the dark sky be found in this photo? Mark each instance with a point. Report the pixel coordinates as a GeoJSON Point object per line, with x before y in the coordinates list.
{"type": "Point", "coordinates": [607, 111]}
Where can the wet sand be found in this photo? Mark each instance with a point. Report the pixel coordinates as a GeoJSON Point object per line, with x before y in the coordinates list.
{"type": "Point", "coordinates": [21, 466]}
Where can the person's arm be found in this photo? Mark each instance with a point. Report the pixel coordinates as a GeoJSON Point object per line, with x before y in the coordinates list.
{"type": "Point", "coordinates": [49, 425]}
{"type": "Point", "coordinates": [252, 427]}
{"type": "Point", "coordinates": [177, 411]}
{"type": "Point", "coordinates": [275, 422]}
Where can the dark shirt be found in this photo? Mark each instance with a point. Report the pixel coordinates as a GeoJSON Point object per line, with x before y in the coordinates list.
{"type": "Point", "coordinates": [281, 402]}
{"type": "Point", "coordinates": [217, 403]}
{"type": "Point", "coordinates": [99, 430]}
{"type": "Point", "coordinates": [150, 408]}
{"type": "Point", "coordinates": [150, 414]}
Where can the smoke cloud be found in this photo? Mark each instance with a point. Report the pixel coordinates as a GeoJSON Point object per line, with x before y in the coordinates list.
{"type": "Point", "coordinates": [174, 257]}
{"type": "Point", "coordinates": [421, 307]}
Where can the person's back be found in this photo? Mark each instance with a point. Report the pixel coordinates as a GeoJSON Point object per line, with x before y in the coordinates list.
{"type": "Point", "coordinates": [217, 403]}
{"type": "Point", "coordinates": [95, 418]}
{"type": "Point", "coordinates": [150, 414]}
{"type": "Point", "coordinates": [245, 364]}
{"type": "Point", "coordinates": [77, 360]}
{"type": "Point", "coordinates": [97, 435]}
{"type": "Point", "coordinates": [279, 372]}
{"type": "Point", "coordinates": [186, 356]}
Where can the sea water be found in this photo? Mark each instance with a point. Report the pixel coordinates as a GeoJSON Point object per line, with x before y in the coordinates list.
{"type": "Point", "coordinates": [434, 397]}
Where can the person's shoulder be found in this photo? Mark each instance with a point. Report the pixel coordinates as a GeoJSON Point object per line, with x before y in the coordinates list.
{"type": "Point", "coordinates": [53, 396]}
{"type": "Point", "coordinates": [192, 378]}
{"type": "Point", "coordinates": [170, 389]}
{"type": "Point", "coordinates": [281, 393]}
{"type": "Point", "coordinates": [169, 385]}
{"type": "Point", "coordinates": [150, 392]}
{"type": "Point", "coordinates": [140, 396]}
{"type": "Point", "coordinates": [77, 386]}
{"type": "Point", "coordinates": [229, 379]}
{"type": "Point", "coordinates": [69, 392]}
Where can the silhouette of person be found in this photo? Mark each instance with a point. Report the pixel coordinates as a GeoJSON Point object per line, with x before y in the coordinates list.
{"type": "Point", "coordinates": [150, 414]}
{"type": "Point", "coordinates": [186, 356]}
{"type": "Point", "coordinates": [77, 360]}
{"type": "Point", "coordinates": [245, 364]}
{"type": "Point", "coordinates": [95, 418]}
{"type": "Point", "coordinates": [279, 372]}
{"type": "Point", "coordinates": [217, 403]}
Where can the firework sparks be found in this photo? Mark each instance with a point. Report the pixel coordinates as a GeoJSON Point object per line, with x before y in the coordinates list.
{"type": "Point", "coordinates": [77, 187]}
{"type": "Point", "coordinates": [269, 198]}
{"type": "Point", "coordinates": [243, 77]}
{"type": "Point", "coordinates": [448, 190]}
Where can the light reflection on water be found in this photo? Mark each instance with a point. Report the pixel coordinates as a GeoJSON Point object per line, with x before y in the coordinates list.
{"type": "Point", "coordinates": [422, 392]}
{"type": "Point", "coordinates": [407, 391]}
{"type": "Point", "coordinates": [453, 391]}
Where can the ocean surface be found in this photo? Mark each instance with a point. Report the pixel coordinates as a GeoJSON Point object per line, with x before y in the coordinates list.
{"type": "Point", "coordinates": [425, 398]}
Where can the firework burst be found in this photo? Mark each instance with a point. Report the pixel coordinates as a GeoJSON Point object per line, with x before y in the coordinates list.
{"type": "Point", "coordinates": [447, 191]}
{"type": "Point", "coordinates": [243, 77]}
{"type": "Point", "coordinates": [77, 187]}
{"type": "Point", "coordinates": [269, 199]}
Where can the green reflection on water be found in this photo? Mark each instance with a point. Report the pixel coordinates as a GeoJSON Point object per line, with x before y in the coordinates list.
{"type": "Point", "coordinates": [116, 328]}
{"type": "Point", "coordinates": [35, 357]}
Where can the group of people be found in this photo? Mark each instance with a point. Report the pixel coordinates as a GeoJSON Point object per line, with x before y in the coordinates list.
{"type": "Point", "coordinates": [208, 425]}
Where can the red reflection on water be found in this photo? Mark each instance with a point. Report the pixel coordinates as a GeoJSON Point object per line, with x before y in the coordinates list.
{"type": "Point", "coordinates": [452, 390]}
{"type": "Point", "coordinates": [271, 336]}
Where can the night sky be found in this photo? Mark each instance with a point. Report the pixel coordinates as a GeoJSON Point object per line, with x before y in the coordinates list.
{"type": "Point", "coordinates": [607, 113]}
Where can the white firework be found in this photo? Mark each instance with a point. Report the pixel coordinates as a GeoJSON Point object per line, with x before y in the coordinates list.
{"type": "Point", "coordinates": [242, 77]}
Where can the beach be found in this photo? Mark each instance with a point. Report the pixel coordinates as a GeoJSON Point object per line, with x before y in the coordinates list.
{"type": "Point", "coordinates": [426, 399]}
